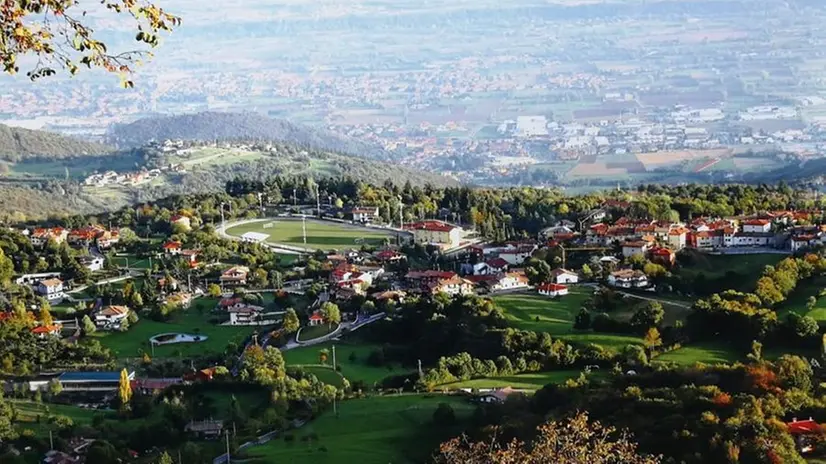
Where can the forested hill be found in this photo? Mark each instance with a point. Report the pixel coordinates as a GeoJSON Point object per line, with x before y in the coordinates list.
{"type": "Point", "coordinates": [210, 126]}
{"type": "Point", "coordinates": [18, 144]}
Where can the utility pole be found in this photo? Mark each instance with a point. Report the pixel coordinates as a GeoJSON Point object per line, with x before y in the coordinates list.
{"type": "Point", "coordinates": [51, 441]}
{"type": "Point", "coordinates": [304, 227]}
{"type": "Point", "coordinates": [261, 202]}
{"type": "Point", "coordinates": [401, 217]}
{"type": "Point", "coordinates": [229, 459]}
{"type": "Point", "coordinates": [334, 357]}
{"type": "Point", "coordinates": [222, 215]}
{"type": "Point", "coordinates": [317, 202]}
{"type": "Point", "coordinates": [420, 369]}
{"type": "Point", "coordinates": [294, 203]}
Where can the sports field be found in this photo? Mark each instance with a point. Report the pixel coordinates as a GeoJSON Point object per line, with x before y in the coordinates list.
{"type": "Point", "coordinates": [376, 430]}
{"type": "Point", "coordinates": [351, 358]}
{"type": "Point", "coordinates": [320, 234]}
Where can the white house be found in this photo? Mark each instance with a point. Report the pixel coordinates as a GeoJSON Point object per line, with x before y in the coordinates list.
{"type": "Point", "coordinates": [637, 247]}
{"type": "Point", "coordinates": [236, 275]}
{"type": "Point", "coordinates": [92, 263]}
{"type": "Point", "coordinates": [436, 233]}
{"type": "Point", "coordinates": [365, 214]}
{"type": "Point", "coordinates": [757, 225]}
{"type": "Point", "coordinates": [677, 238]}
{"type": "Point", "coordinates": [244, 314]}
{"type": "Point", "coordinates": [51, 289]}
{"type": "Point", "coordinates": [111, 316]}
{"type": "Point", "coordinates": [564, 276]}
{"type": "Point", "coordinates": [552, 290]}
{"type": "Point", "coordinates": [628, 278]}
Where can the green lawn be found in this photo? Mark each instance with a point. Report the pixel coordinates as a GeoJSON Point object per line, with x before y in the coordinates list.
{"type": "Point", "coordinates": [797, 300]}
{"type": "Point", "coordinates": [556, 316]}
{"type": "Point", "coordinates": [704, 352]}
{"type": "Point", "coordinates": [135, 341]}
{"type": "Point", "coordinates": [320, 234]}
{"type": "Point", "coordinates": [352, 358]}
{"type": "Point", "coordinates": [28, 412]}
{"type": "Point", "coordinates": [525, 381]}
{"type": "Point", "coordinates": [747, 267]}
{"type": "Point", "coordinates": [311, 332]}
{"type": "Point", "coordinates": [132, 261]}
{"type": "Point", "coordinates": [326, 374]}
{"type": "Point", "coordinates": [376, 430]}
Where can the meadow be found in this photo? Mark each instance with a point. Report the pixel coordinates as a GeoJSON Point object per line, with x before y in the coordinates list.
{"type": "Point", "coordinates": [34, 416]}
{"type": "Point", "coordinates": [375, 430]}
{"type": "Point", "coordinates": [195, 320]}
{"type": "Point", "coordinates": [524, 381]}
{"type": "Point", "coordinates": [320, 234]}
{"type": "Point", "coordinates": [351, 358]}
{"type": "Point", "coordinates": [556, 316]}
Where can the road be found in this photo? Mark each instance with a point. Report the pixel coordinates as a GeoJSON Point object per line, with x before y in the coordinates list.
{"type": "Point", "coordinates": [681, 304]}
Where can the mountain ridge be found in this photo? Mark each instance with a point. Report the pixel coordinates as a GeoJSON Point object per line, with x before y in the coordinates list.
{"type": "Point", "coordinates": [17, 144]}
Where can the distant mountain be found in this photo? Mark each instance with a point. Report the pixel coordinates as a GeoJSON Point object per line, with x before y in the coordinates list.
{"type": "Point", "coordinates": [18, 144]}
{"type": "Point", "coordinates": [235, 126]}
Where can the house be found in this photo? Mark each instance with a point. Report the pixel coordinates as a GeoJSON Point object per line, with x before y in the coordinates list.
{"type": "Point", "coordinates": [244, 314]}
{"type": "Point", "coordinates": [552, 290]}
{"type": "Point", "coordinates": [236, 275]}
{"type": "Point", "coordinates": [39, 237]}
{"type": "Point", "coordinates": [662, 256]}
{"type": "Point", "coordinates": [172, 248]}
{"type": "Point", "coordinates": [84, 236]}
{"type": "Point", "coordinates": [59, 457]}
{"type": "Point", "coordinates": [434, 232]}
{"type": "Point", "coordinates": [628, 278]}
{"type": "Point", "coordinates": [677, 238]}
{"type": "Point", "coordinates": [181, 221]}
{"type": "Point", "coordinates": [496, 396]}
{"type": "Point", "coordinates": [92, 381]}
{"type": "Point", "coordinates": [800, 242]}
{"type": "Point", "coordinates": [564, 276]}
{"type": "Point", "coordinates": [757, 225]}
{"type": "Point", "coordinates": [45, 331]}
{"type": "Point", "coordinates": [637, 247]}
{"type": "Point", "coordinates": [92, 263]}
{"type": "Point", "coordinates": [191, 257]}
{"type": "Point", "coordinates": [477, 269]}
{"type": "Point", "coordinates": [205, 429]}
{"type": "Point", "coordinates": [51, 289]}
{"type": "Point", "coordinates": [752, 239]}
{"type": "Point", "coordinates": [179, 300]}
{"type": "Point", "coordinates": [805, 433]}
{"type": "Point", "coordinates": [365, 215]}
{"type": "Point", "coordinates": [343, 271]}
{"type": "Point", "coordinates": [556, 231]}
{"type": "Point", "coordinates": [390, 256]}
{"type": "Point", "coordinates": [316, 319]}
{"type": "Point", "coordinates": [497, 264]}
{"type": "Point", "coordinates": [517, 255]}
{"type": "Point", "coordinates": [108, 238]}
{"type": "Point", "coordinates": [500, 282]}
{"type": "Point", "coordinates": [111, 316]}
{"type": "Point", "coordinates": [452, 286]}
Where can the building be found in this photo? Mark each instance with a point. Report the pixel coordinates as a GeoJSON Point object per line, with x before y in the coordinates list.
{"type": "Point", "coordinates": [316, 319]}
{"type": "Point", "coordinates": [757, 226]}
{"type": "Point", "coordinates": [181, 221]}
{"type": "Point", "coordinates": [84, 236]}
{"type": "Point", "coordinates": [806, 434]}
{"type": "Point", "coordinates": [92, 381]}
{"type": "Point", "coordinates": [628, 278]}
{"type": "Point", "coordinates": [497, 264]}
{"type": "Point", "coordinates": [111, 317]}
{"type": "Point", "coordinates": [39, 237]}
{"type": "Point", "coordinates": [564, 276]}
{"type": "Point", "coordinates": [390, 256]}
{"type": "Point", "coordinates": [92, 263]}
{"type": "Point", "coordinates": [59, 457]}
{"type": "Point", "coordinates": [45, 331]}
{"type": "Point", "coordinates": [531, 126]}
{"type": "Point", "coordinates": [236, 275]}
{"type": "Point", "coordinates": [637, 247]}
{"type": "Point", "coordinates": [191, 257]}
{"type": "Point", "coordinates": [172, 248]}
{"type": "Point", "coordinates": [496, 396]}
{"type": "Point", "coordinates": [677, 238]}
{"type": "Point", "coordinates": [51, 289]}
{"type": "Point", "coordinates": [206, 429]}
{"type": "Point", "coordinates": [552, 290]}
{"type": "Point", "coordinates": [663, 256]}
{"type": "Point", "coordinates": [244, 314]}
{"type": "Point", "coordinates": [452, 286]}
{"type": "Point", "coordinates": [365, 215]}
{"type": "Point", "coordinates": [436, 233]}
{"type": "Point", "coordinates": [108, 238]}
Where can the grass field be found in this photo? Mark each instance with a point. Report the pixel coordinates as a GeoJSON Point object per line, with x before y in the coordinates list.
{"type": "Point", "coordinates": [526, 381]}
{"type": "Point", "coordinates": [323, 235]}
{"type": "Point", "coordinates": [28, 412]}
{"type": "Point", "coordinates": [556, 316]}
{"type": "Point", "coordinates": [377, 430]}
{"type": "Point", "coordinates": [311, 332]}
{"type": "Point", "coordinates": [797, 300]}
{"type": "Point", "coordinates": [132, 261]}
{"type": "Point", "coordinates": [352, 359]}
{"type": "Point", "coordinates": [135, 341]}
{"type": "Point", "coordinates": [747, 267]}
{"type": "Point", "coordinates": [708, 353]}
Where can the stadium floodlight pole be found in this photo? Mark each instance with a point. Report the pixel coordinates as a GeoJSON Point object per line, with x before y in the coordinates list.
{"type": "Point", "coordinates": [222, 215]}
{"type": "Point", "coordinates": [401, 218]}
{"type": "Point", "coordinates": [317, 202]}
{"type": "Point", "coordinates": [304, 227]}
{"type": "Point", "coordinates": [261, 202]}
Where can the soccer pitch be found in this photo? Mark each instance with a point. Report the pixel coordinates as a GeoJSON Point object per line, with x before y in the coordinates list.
{"type": "Point", "coordinates": [320, 234]}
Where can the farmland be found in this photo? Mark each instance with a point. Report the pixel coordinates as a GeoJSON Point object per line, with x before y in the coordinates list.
{"type": "Point", "coordinates": [376, 430]}
{"type": "Point", "coordinates": [320, 234]}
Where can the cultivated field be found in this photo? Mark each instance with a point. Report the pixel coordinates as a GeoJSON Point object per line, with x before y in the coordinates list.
{"type": "Point", "coordinates": [320, 234]}
{"type": "Point", "coordinates": [377, 430]}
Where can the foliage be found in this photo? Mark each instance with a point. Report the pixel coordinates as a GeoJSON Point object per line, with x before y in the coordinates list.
{"type": "Point", "coordinates": [575, 441]}
{"type": "Point", "coordinates": [18, 144]}
{"type": "Point", "coordinates": [57, 33]}
{"type": "Point", "coordinates": [291, 324]}
{"type": "Point", "coordinates": [124, 389]}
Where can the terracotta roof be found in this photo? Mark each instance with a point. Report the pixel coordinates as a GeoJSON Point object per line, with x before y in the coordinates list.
{"type": "Point", "coordinates": [804, 426]}
{"type": "Point", "coordinates": [497, 263]}
{"type": "Point", "coordinates": [434, 226]}
{"type": "Point", "coordinates": [171, 245]}
{"type": "Point", "coordinates": [46, 329]}
{"type": "Point", "coordinates": [53, 282]}
{"type": "Point", "coordinates": [549, 287]}
{"type": "Point", "coordinates": [316, 317]}
{"type": "Point", "coordinates": [114, 310]}
{"type": "Point", "coordinates": [758, 222]}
